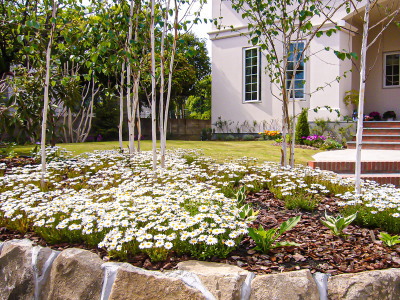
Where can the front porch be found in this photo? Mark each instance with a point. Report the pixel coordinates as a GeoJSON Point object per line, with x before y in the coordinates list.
{"type": "Point", "coordinates": [382, 92]}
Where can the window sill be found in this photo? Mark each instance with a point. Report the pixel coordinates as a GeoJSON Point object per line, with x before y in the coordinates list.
{"type": "Point", "coordinates": [252, 101]}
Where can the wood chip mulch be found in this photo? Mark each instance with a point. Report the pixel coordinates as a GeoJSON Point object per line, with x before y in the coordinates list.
{"type": "Point", "coordinates": [18, 161]}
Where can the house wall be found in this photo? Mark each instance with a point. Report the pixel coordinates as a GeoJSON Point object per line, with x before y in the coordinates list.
{"type": "Point", "coordinates": [321, 70]}
{"type": "Point", "coordinates": [330, 73]}
{"type": "Point", "coordinates": [377, 97]}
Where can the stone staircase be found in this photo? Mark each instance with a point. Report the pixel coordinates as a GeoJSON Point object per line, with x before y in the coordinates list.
{"type": "Point", "coordinates": [379, 135]}
{"type": "Point", "coordinates": [380, 171]}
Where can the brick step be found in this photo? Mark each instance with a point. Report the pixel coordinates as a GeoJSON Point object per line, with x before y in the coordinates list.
{"type": "Point", "coordinates": [379, 178]}
{"type": "Point", "coordinates": [382, 131]}
{"type": "Point", "coordinates": [381, 124]}
{"type": "Point", "coordinates": [376, 145]}
{"type": "Point", "coordinates": [380, 138]}
{"type": "Point", "coordinates": [348, 167]}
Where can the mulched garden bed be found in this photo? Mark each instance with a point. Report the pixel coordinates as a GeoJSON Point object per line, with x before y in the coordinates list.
{"type": "Point", "coordinates": [18, 161]}
{"type": "Point", "coordinates": [319, 250]}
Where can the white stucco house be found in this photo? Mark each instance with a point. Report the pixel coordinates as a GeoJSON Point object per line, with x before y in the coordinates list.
{"type": "Point", "coordinates": [238, 98]}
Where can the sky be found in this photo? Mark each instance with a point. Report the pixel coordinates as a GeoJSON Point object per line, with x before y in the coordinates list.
{"type": "Point", "coordinates": [202, 29]}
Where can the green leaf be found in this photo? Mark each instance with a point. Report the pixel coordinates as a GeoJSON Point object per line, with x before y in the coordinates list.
{"type": "Point", "coordinates": [340, 55]}
{"type": "Point", "coordinates": [289, 224]}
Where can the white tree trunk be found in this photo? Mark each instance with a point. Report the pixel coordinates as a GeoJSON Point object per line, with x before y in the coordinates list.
{"type": "Point", "coordinates": [163, 138]}
{"type": "Point", "coordinates": [131, 125]}
{"type": "Point", "coordinates": [89, 115]}
{"type": "Point", "coordinates": [139, 127]}
{"type": "Point", "coordinates": [361, 97]}
{"type": "Point", "coordinates": [46, 95]}
{"type": "Point", "coordinates": [153, 88]}
{"type": "Point", "coordinates": [121, 107]}
{"type": "Point", "coordinates": [293, 142]}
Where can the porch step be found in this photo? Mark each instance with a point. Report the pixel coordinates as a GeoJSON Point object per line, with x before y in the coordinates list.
{"type": "Point", "coordinates": [379, 178]}
{"type": "Point", "coordinates": [380, 138]}
{"type": "Point", "coordinates": [381, 131]}
{"type": "Point", "coordinates": [367, 167]}
{"type": "Point", "coordinates": [382, 172]}
{"type": "Point", "coordinates": [376, 145]}
{"type": "Point", "coordinates": [381, 124]}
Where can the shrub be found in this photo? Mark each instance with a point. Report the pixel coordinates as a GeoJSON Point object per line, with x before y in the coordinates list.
{"type": "Point", "coordinates": [228, 137]}
{"type": "Point", "coordinates": [206, 134]}
{"type": "Point", "coordinates": [248, 137]}
{"type": "Point", "coordinates": [302, 127]}
{"type": "Point", "coordinates": [330, 144]}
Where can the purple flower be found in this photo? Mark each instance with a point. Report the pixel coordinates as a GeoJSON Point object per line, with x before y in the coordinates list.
{"type": "Point", "coordinates": [316, 137]}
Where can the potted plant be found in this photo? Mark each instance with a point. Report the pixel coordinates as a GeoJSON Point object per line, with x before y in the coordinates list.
{"type": "Point", "coordinates": [389, 115]}
{"type": "Point", "coordinates": [375, 116]}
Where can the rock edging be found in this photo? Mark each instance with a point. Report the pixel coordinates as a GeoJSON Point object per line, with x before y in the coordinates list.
{"type": "Point", "coordinates": [33, 272]}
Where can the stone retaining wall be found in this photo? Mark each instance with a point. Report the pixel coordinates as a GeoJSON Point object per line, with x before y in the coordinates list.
{"type": "Point", "coordinates": [33, 272]}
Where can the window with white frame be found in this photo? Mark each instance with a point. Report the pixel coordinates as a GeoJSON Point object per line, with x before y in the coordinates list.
{"type": "Point", "coordinates": [391, 69]}
{"type": "Point", "coordinates": [296, 89]}
{"type": "Point", "coordinates": [251, 76]}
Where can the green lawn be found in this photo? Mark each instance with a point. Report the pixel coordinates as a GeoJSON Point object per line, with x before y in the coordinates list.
{"type": "Point", "coordinates": [220, 150]}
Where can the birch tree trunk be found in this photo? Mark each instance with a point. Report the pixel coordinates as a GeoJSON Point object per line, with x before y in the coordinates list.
{"type": "Point", "coordinates": [293, 133]}
{"type": "Point", "coordinates": [121, 107]}
{"type": "Point", "coordinates": [361, 97]}
{"type": "Point", "coordinates": [163, 141]}
{"type": "Point", "coordinates": [46, 94]}
{"type": "Point", "coordinates": [89, 114]}
{"type": "Point", "coordinates": [131, 125]}
{"type": "Point", "coordinates": [153, 87]}
{"type": "Point", "coordinates": [139, 127]}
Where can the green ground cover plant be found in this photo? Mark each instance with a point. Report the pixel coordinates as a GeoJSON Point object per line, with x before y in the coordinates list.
{"type": "Point", "coordinates": [389, 240]}
{"type": "Point", "coordinates": [338, 224]}
{"type": "Point", "coordinates": [266, 239]}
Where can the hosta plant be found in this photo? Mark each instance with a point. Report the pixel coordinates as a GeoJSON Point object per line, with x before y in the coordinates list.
{"type": "Point", "coordinates": [339, 223]}
{"type": "Point", "coordinates": [248, 213]}
{"type": "Point", "coordinates": [265, 239]}
{"type": "Point", "coordinates": [241, 195]}
{"type": "Point", "coordinates": [389, 240]}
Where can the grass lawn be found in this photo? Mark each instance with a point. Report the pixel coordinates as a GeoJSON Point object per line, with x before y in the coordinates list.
{"type": "Point", "coordinates": [219, 150]}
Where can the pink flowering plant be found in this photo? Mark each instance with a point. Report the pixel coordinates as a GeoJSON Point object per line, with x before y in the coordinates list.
{"type": "Point", "coordinates": [314, 140]}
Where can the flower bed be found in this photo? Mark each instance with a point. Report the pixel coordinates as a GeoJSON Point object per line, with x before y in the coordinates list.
{"type": "Point", "coordinates": [116, 202]}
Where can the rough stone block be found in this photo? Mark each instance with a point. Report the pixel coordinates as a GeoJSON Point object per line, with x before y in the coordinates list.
{"type": "Point", "coordinates": [16, 273]}
{"type": "Point", "coordinates": [297, 285]}
{"type": "Point", "coordinates": [222, 280]}
{"type": "Point", "coordinates": [371, 285]}
{"type": "Point", "coordinates": [75, 274]}
{"type": "Point", "coordinates": [135, 283]}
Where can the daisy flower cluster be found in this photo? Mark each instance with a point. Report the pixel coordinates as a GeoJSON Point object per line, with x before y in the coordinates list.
{"type": "Point", "coordinates": [117, 202]}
